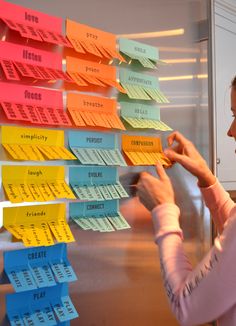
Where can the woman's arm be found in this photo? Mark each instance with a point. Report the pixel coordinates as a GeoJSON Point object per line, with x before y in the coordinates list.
{"type": "Point", "coordinates": [181, 150]}
{"type": "Point", "coordinates": [219, 203]}
{"type": "Point", "coordinates": [206, 292]}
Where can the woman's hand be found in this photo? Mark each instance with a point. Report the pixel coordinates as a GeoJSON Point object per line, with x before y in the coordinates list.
{"type": "Point", "coordinates": [154, 191]}
{"type": "Point", "coordinates": [187, 155]}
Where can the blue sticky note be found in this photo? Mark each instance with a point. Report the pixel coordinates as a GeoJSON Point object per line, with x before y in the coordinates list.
{"type": "Point", "coordinates": [69, 307]}
{"type": "Point", "coordinates": [15, 318]}
{"type": "Point", "coordinates": [60, 264]}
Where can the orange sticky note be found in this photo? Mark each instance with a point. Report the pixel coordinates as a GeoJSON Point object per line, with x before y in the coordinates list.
{"type": "Point", "coordinates": [93, 111]}
{"type": "Point", "coordinates": [142, 150]}
{"type": "Point", "coordinates": [92, 40]}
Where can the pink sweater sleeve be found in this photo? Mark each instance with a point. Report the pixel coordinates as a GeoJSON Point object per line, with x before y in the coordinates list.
{"type": "Point", "coordinates": [219, 203]}
{"type": "Point", "coordinates": [206, 292]}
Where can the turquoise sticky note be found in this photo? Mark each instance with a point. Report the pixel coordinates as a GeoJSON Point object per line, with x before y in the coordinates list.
{"type": "Point", "coordinates": [139, 110]}
{"type": "Point", "coordinates": [138, 49]}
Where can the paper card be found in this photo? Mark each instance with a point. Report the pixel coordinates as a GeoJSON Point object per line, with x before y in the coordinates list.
{"type": "Point", "coordinates": [139, 110]}
{"type": "Point", "coordinates": [33, 24]}
{"type": "Point", "coordinates": [31, 268]}
{"type": "Point", "coordinates": [93, 140]}
{"type": "Point", "coordinates": [141, 86]}
{"type": "Point", "coordinates": [95, 215]}
{"type": "Point", "coordinates": [91, 39]}
{"type": "Point", "coordinates": [82, 222]}
{"type": "Point", "coordinates": [93, 110]}
{"type": "Point", "coordinates": [12, 192]}
{"type": "Point", "coordinates": [31, 230]}
{"type": "Point", "coordinates": [118, 221]}
{"type": "Point", "coordinates": [144, 150]}
{"type": "Point", "coordinates": [61, 230]}
{"type": "Point", "coordinates": [15, 319]}
{"type": "Point", "coordinates": [95, 73]}
{"type": "Point", "coordinates": [48, 313]}
{"type": "Point", "coordinates": [9, 70]}
{"type": "Point", "coordinates": [28, 144]}
{"type": "Point", "coordinates": [46, 300]}
{"type": "Point", "coordinates": [30, 95]}
{"type": "Point", "coordinates": [104, 191]}
{"type": "Point", "coordinates": [137, 49]}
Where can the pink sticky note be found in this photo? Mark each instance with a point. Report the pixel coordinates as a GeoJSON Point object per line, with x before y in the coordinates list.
{"type": "Point", "coordinates": [9, 70]}
{"type": "Point", "coordinates": [30, 17]}
{"type": "Point", "coordinates": [10, 111]}
{"type": "Point", "coordinates": [44, 115]}
{"type": "Point", "coordinates": [31, 56]}
{"type": "Point", "coordinates": [32, 113]}
{"type": "Point", "coordinates": [30, 95]}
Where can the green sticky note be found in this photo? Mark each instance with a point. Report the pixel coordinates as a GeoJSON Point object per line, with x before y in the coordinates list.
{"type": "Point", "coordinates": [134, 49]}
{"type": "Point", "coordinates": [120, 189]}
{"type": "Point", "coordinates": [112, 190]}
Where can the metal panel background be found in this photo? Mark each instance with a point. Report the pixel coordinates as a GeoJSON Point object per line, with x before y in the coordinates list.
{"type": "Point", "coordinates": [119, 275]}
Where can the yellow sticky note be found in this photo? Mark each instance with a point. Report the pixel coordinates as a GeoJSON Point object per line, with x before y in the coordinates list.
{"type": "Point", "coordinates": [61, 231]}
{"type": "Point", "coordinates": [12, 192]}
{"type": "Point", "coordinates": [25, 192]}
{"type": "Point", "coordinates": [46, 192]}
{"type": "Point", "coordinates": [61, 190]}
{"type": "Point", "coordinates": [36, 192]}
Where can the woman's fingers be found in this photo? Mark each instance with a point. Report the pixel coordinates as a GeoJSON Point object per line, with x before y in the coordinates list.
{"type": "Point", "coordinates": [161, 172]}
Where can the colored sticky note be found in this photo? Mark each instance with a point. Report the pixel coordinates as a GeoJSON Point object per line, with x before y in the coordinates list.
{"type": "Point", "coordinates": [141, 86]}
{"type": "Point", "coordinates": [147, 55]}
{"type": "Point", "coordinates": [31, 224]}
{"type": "Point", "coordinates": [142, 150]}
{"type": "Point", "coordinates": [88, 39]}
{"type": "Point", "coordinates": [51, 304]}
{"type": "Point", "coordinates": [29, 144]}
{"type": "Point", "coordinates": [93, 111]}
{"type": "Point", "coordinates": [39, 267]}
{"type": "Point", "coordinates": [96, 216]}
{"type": "Point", "coordinates": [91, 73]}
{"type": "Point", "coordinates": [95, 148]}
{"type": "Point", "coordinates": [33, 24]}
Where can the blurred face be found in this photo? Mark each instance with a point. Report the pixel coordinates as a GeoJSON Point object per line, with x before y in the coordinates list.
{"type": "Point", "coordinates": [232, 130]}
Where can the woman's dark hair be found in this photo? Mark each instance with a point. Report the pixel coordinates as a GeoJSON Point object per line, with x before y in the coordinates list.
{"type": "Point", "coordinates": [233, 83]}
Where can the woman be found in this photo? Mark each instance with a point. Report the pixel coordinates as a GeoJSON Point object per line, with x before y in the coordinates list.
{"type": "Point", "coordinates": [208, 291]}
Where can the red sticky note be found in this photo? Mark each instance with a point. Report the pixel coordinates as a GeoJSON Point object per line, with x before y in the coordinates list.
{"type": "Point", "coordinates": [10, 111]}
{"type": "Point", "coordinates": [9, 70]}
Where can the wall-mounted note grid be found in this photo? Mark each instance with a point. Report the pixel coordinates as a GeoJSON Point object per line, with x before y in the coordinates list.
{"type": "Point", "coordinates": [38, 106]}
{"type": "Point", "coordinates": [46, 306]}
{"type": "Point", "coordinates": [36, 225]}
{"type": "Point", "coordinates": [96, 183]}
{"type": "Point", "coordinates": [33, 268]}
{"type": "Point", "coordinates": [85, 73]}
{"type": "Point", "coordinates": [32, 24]}
{"type": "Point", "coordinates": [95, 148]}
{"type": "Point", "coordinates": [19, 61]}
{"type": "Point", "coordinates": [35, 183]}
{"type": "Point", "coordinates": [146, 55]}
{"type": "Point", "coordinates": [93, 111]}
{"type": "Point", "coordinates": [143, 116]}
{"type": "Point", "coordinates": [140, 86]}
{"type": "Point", "coordinates": [142, 150]}
{"type": "Point", "coordinates": [86, 39]}
{"type": "Point", "coordinates": [31, 144]}
{"type": "Point", "coordinates": [101, 216]}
